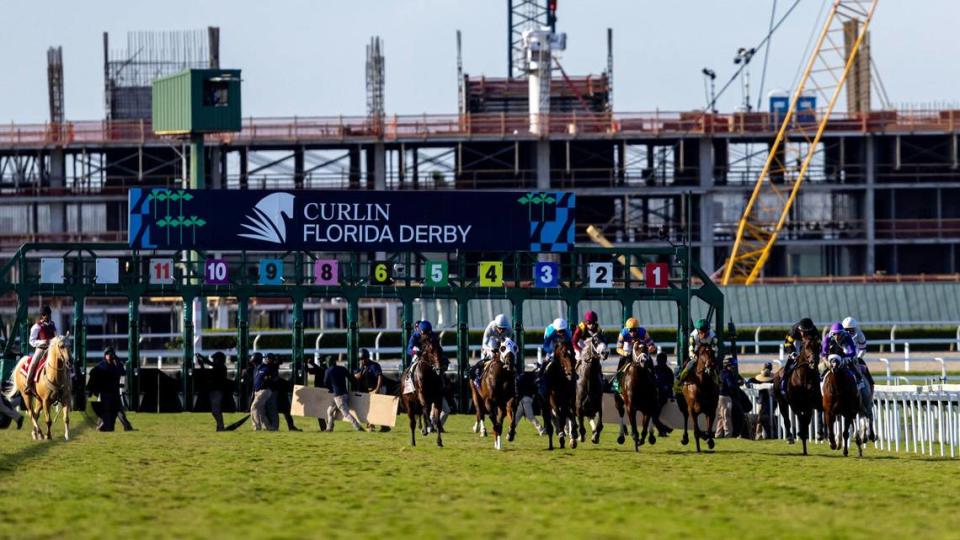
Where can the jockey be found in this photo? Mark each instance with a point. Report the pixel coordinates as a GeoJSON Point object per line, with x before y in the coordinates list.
{"type": "Point", "coordinates": [587, 329]}
{"type": "Point", "coordinates": [838, 342]}
{"type": "Point", "coordinates": [632, 333]}
{"type": "Point", "coordinates": [40, 335]}
{"type": "Point", "coordinates": [701, 335]}
{"type": "Point", "coordinates": [422, 330]}
{"type": "Point", "coordinates": [497, 332]}
{"type": "Point", "coordinates": [804, 328]}
{"type": "Point", "coordinates": [860, 341]}
{"type": "Point", "coordinates": [556, 332]}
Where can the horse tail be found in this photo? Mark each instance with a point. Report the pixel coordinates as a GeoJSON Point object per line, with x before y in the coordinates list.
{"type": "Point", "coordinates": [11, 385]}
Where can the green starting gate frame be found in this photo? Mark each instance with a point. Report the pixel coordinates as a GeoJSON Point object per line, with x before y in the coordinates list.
{"type": "Point", "coordinates": [20, 275]}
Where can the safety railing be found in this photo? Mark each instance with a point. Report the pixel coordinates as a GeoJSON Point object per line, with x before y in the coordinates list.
{"type": "Point", "coordinates": [921, 420]}
{"type": "Point", "coordinates": [395, 127]}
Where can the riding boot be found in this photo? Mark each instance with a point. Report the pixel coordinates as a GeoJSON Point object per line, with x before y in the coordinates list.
{"type": "Point", "coordinates": [787, 370]}
{"type": "Point", "coordinates": [678, 384]}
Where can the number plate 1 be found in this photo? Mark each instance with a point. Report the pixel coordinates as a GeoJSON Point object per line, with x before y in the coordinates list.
{"type": "Point", "coordinates": [600, 275]}
{"type": "Point", "coordinates": [657, 275]}
{"type": "Point", "coordinates": [326, 272]}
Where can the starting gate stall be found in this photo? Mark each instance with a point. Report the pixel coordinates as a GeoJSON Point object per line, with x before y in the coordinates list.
{"type": "Point", "coordinates": [502, 263]}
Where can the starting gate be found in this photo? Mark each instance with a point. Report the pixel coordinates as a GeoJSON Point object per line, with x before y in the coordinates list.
{"type": "Point", "coordinates": [81, 271]}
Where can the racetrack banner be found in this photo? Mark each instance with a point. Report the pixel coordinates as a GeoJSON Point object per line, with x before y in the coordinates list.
{"type": "Point", "coordinates": [161, 218]}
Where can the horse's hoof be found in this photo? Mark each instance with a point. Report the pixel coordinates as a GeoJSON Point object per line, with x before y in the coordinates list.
{"type": "Point", "coordinates": [710, 444]}
{"type": "Point", "coordinates": [510, 436]}
{"type": "Point", "coordinates": [595, 439]}
{"type": "Point", "coordinates": [620, 439]}
{"type": "Point", "coordinates": [685, 440]}
{"type": "Point", "coordinates": [653, 440]}
{"type": "Point", "coordinates": [639, 441]}
{"type": "Point", "coordinates": [791, 441]}
{"type": "Point", "coordinates": [483, 433]}
{"type": "Point", "coordinates": [573, 444]}
{"type": "Point", "coordinates": [846, 452]}
{"type": "Point", "coordinates": [833, 445]}
{"type": "Point", "coordinates": [636, 445]}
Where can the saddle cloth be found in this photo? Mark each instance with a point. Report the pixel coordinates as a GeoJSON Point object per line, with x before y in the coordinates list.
{"type": "Point", "coordinates": [25, 367]}
{"type": "Point", "coordinates": [408, 384]}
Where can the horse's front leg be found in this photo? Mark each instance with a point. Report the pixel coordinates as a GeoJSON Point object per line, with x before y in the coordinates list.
{"type": "Point", "coordinates": [435, 414]}
{"type": "Point", "coordinates": [694, 417]}
{"type": "Point", "coordinates": [413, 426]}
{"type": "Point", "coordinates": [633, 428]}
{"type": "Point", "coordinates": [548, 425]}
{"type": "Point", "coordinates": [512, 419]}
{"type": "Point", "coordinates": [598, 428]}
{"type": "Point", "coordinates": [497, 419]}
{"type": "Point", "coordinates": [621, 406]}
{"type": "Point", "coordinates": [48, 418]}
{"type": "Point", "coordinates": [711, 418]}
{"type": "Point", "coordinates": [66, 420]}
{"type": "Point", "coordinates": [686, 419]}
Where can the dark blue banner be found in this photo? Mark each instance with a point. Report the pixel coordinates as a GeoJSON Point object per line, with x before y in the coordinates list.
{"type": "Point", "coordinates": [351, 220]}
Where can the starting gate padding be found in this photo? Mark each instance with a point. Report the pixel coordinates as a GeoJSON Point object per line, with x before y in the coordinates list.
{"type": "Point", "coordinates": [580, 277]}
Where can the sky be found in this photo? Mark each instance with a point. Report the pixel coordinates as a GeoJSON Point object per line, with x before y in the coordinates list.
{"type": "Point", "coordinates": [306, 58]}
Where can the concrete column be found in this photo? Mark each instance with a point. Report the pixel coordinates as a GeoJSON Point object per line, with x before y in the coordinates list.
{"type": "Point", "coordinates": [379, 166]}
{"type": "Point", "coordinates": [298, 174]}
{"type": "Point", "coordinates": [543, 165]}
{"type": "Point", "coordinates": [869, 214]}
{"type": "Point", "coordinates": [706, 163]}
{"type": "Point", "coordinates": [57, 176]}
{"type": "Point", "coordinates": [216, 170]}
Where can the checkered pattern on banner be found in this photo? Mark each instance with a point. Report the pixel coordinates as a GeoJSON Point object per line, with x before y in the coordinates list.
{"type": "Point", "coordinates": [555, 233]}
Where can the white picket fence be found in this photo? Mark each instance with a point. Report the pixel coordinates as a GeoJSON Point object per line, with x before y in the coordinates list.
{"type": "Point", "coordinates": [924, 420]}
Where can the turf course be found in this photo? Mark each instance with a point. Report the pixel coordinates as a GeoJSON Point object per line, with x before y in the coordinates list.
{"type": "Point", "coordinates": [176, 478]}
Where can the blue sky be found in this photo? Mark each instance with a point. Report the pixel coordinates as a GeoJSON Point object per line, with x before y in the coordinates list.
{"type": "Point", "coordinates": [306, 57]}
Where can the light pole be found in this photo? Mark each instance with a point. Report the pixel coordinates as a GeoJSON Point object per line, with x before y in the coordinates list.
{"type": "Point", "coordinates": [711, 76]}
{"type": "Point", "coordinates": [743, 58]}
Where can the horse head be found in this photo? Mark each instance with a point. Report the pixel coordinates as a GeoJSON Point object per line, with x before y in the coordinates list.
{"type": "Point", "coordinates": [429, 354]}
{"type": "Point", "coordinates": [706, 360]}
{"type": "Point", "coordinates": [58, 353]}
{"type": "Point", "coordinates": [809, 353]}
{"type": "Point", "coordinates": [564, 356]}
{"type": "Point", "coordinates": [640, 353]}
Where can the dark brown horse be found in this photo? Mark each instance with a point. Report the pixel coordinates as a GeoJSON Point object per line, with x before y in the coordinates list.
{"type": "Point", "coordinates": [427, 396]}
{"type": "Point", "coordinates": [803, 392]}
{"type": "Point", "coordinates": [589, 399]}
{"type": "Point", "coordinates": [497, 396]}
{"type": "Point", "coordinates": [701, 394]}
{"type": "Point", "coordinates": [841, 402]}
{"type": "Point", "coordinates": [558, 409]}
{"type": "Point", "coordinates": [638, 392]}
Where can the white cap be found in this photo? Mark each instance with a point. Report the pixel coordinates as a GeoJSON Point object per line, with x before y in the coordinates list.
{"type": "Point", "coordinates": [559, 324]}
{"type": "Point", "coordinates": [501, 321]}
{"type": "Point", "coordinates": [849, 323]}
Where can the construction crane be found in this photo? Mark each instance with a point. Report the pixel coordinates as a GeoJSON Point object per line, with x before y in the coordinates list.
{"type": "Point", "coordinates": [834, 60]}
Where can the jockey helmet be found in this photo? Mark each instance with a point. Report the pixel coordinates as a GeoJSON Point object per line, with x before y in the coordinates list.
{"type": "Point", "coordinates": [45, 311]}
{"type": "Point", "coordinates": [364, 354]}
{"type": "Point", "coordinates": [559, 324]}
{"type": "Point", "coordinates": [590, 317]}
{"type": "Point", "coordinates": [631, 324]}
{"type": "Point", "coordinates": [849, 323]}
{"type": "Point", "coordinates": [510, 346]}
{"type": "Point", "coordinates": [701, 324]}
{"type": "Point", "coordinates": [836, 328]}
{"type": "Point", "coordinates": [501, 321]}
{"type": "Point", "coordinates": [806, 325]}
{"type": "Point", "coordinates": [425, 327]}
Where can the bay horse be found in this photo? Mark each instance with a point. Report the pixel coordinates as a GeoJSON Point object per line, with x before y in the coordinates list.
{"type": "Point", "coordinates": [426, 399]}
{"type": "Point", "coordinates": [638, 392]}
{"type": "Point", "coordinates": [558, 403]}
{"type": "Point", "coordinates": [701, 394]}
{"type": "Point", "coordinates": [589, 398]}
{"type": "Point", "coordinates": [497, 396]}
{"type": "Point", "coordinates": [841, 402]}
{"type": "Point", "coordinates": [803, 392]}
{"type": "Point", "coordinates": [54, 386]}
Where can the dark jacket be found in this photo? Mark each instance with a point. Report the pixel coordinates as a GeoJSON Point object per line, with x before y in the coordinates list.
{"type": "Point", "coordinates": [794, 338]}
{"type": "Point", "coordinates": [264, 376]}
{"type": "Point", "coordinates": [335, 379]}
{"type": "Point", "coordinates": [369, 375]}
{"type": "Point", "coordinates": [105, 380]}
{"type": "Point", "coordinates": [728, 382]}
{"type": "Point", "coordinates": [317, 370]}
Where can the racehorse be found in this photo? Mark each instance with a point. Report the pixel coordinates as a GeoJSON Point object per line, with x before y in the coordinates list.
{"type": "Point", "coordinates": [701, 394]}
{"type": "Point", "coordinates": [426, 399]}
{"type": "Point", "coordinates": [54, 386]}
{"type": "Point", "coordinates": [496, 396]}
{"type": "Point", "coordinates": [558, 402]}
{"type": "Point", "coordinates": [803, 392]}
{"type": "Point", "coordinates": [841, 401]}
{"type": "Point", "coordinates": [589, 399]}
{"type": "Point", "coordinates": [638, 392]}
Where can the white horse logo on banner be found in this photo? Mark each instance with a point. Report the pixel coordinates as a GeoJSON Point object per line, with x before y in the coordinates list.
{"type": "Point", "coordinates": [266, 220]}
